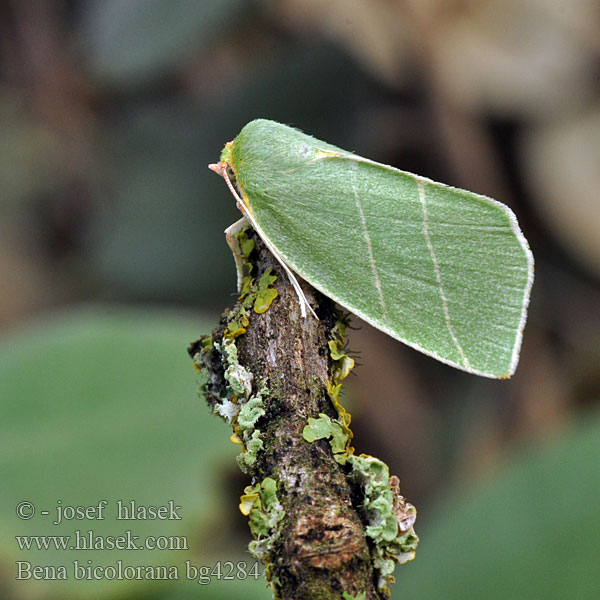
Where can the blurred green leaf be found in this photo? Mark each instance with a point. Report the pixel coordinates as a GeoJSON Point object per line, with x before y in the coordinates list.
{"type": "Point", "coordinates": [102, 405]}
{"type": "Point", "coordinates": [533, 532]}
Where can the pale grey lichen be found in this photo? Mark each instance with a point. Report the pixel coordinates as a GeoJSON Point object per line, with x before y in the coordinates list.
{"type": "Point", "coordinates": [227, 409]}
{"type": "Point", "coordinates": [390, 518]}
{"type": "Point", "coordinates": [241, 409]}
{"type": "Point", "coordinates": [238, 378]}
{"type": "Point", "coordinates": [251, 411]}
{"type": "Point", "coordinates": [252, 446]}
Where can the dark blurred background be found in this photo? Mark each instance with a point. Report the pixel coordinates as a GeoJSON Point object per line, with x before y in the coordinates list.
{"type": "Point", "coordinates": [110, 111]}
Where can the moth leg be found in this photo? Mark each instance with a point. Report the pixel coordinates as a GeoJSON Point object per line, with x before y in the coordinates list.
{"type": "Point", "coordinates": [234, 246]}
{"type": "Point", "coordinates": [221, 169]}
{"type": "Point", "coordinates": [304, 304]}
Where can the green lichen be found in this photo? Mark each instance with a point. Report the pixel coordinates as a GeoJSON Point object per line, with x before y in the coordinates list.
{"type": "Point", "coordinates": [252, 447]}
{"type": "Point", "coordinates": [247, 246]}
{"type": "Point", "coordinates": [344, 364]}
{"type": "Point", "coordinates": [239, 407]}
{"type": "Point", "coordinates": [390, 518]}
{"type": "Point", "coordinates": [326, 428]}
{"type": "Point", "coordinates": [247, 283]}
{"type": "Point", "coordinates": [236, 327]}
{"type": "Point", "coordinates": [265, 513]}
{"type": "Point", "coordinates": [250, 412]}
{"type": "Point", "coordinates": [333, 391]}
{"type": "Point", "coordinates": [360, 596]}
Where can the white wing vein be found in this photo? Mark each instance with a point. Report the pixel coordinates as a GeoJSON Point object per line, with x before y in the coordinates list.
{"type": "Point", "coordinates": [421, 188]}
{"type": "Point", "coordinates": [363, 223]}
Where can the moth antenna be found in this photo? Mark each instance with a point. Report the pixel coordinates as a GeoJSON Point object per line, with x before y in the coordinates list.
{"type": "Point", "coordinates": [222, 166]}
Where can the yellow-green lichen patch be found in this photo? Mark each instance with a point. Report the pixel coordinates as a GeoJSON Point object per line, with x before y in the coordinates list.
{"type": "Point", "coordinates": [257, 296]}
{"type": "Point", "coordinates": [333, 391]}
{"type": "Point", "coordinates": [341, 367]}
{"type": "Point", "coordinates": [265, 294]}
{"type": "Point", "coordinates": [247, 244]}
{"type": "Point", "coordinates": [236, 327]}
{"type": "Point", "coordinates": [247, 284]}
{"type": "Point", "coordinates": [247, 502]}
{"type": "Point", "coordinates": [390, 518]}
{"type": "Point", "coordinates": [265, 512]}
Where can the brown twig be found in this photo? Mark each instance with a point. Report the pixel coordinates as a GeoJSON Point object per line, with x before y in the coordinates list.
{"type": "Point", "coordinates": [317, 547]}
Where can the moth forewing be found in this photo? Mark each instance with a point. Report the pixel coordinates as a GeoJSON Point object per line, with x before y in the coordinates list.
{"type": "Point", "coordinates": [446, 271]}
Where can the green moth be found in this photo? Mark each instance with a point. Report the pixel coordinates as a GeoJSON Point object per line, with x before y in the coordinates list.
{"type": "Point", "coordinates": [446, 271]}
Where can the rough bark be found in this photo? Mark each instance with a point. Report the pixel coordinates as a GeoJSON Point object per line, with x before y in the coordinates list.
{"type": "Point", "coordinates": [321, 550]}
